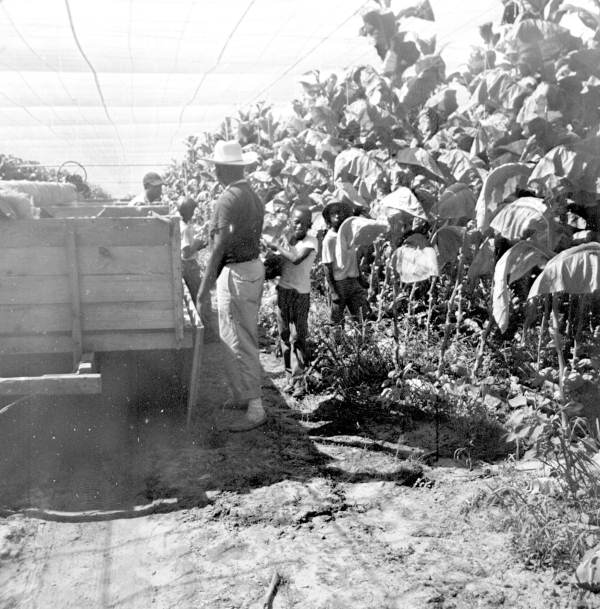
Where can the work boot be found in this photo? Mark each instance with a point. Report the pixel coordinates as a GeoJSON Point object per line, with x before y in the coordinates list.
{"type": "Point", "coordinates": [255, 417]}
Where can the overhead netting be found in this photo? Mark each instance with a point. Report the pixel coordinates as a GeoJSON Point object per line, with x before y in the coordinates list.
{"type": "Point", "coordinates": [117, 85]}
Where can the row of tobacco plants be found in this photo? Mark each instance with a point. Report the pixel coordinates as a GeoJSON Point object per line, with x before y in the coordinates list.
{"type": "Point", "coordinates": [484, 282]}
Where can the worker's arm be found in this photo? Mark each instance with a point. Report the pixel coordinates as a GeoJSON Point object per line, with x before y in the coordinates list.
{"type": "Point", "coordinates": [293, 257]}
{"type": "Point", "coordinates": [327, 259]}
{"type": "Point", "coordinates": [189, 250]}
{"type": "Point", "coordinates": [199, 242]}
{"type": "Point", "coordinates": [331, 281]}
{"type": "Point", "coordinates": [214, 265]}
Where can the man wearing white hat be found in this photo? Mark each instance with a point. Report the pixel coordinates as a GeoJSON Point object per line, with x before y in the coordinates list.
{"type": "Point", "coordinates": [235, 266]}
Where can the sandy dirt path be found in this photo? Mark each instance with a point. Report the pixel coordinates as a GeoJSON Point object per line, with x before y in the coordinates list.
{"type": "Point", "coordinates": [376, 547]}
{"type": "Point", "coordinates": [344, 527]}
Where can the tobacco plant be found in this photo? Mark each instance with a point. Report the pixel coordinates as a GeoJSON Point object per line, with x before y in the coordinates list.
{"type": "Point", "coordinates": [486, 182]}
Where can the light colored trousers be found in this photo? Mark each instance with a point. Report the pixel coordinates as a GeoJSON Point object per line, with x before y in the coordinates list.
{"type": "Point", "coordinates": [239, 291]}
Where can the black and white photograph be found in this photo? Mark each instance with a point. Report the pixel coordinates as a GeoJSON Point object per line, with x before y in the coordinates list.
{"type": "Point", "coordinates": [300, 304]}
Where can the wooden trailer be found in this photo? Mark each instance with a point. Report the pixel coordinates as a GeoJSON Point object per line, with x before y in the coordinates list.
{"type": "Point", "coordinates": [102, 209]}
{"type": "Point", "coordinates": [85, 286]}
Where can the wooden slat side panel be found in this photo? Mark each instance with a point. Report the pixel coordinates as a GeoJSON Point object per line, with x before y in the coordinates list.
{"type": "Point", "coordinates": [133, 211]}
{"type": "Point", "coordinates": [15, 261]}
{"type": "Point", "coordinates": [105, 341]}
{"type": "Point", "coordinates": [192, 316]}
{"type": "Point", "coordinates": [90, 231]}
{"type": "Point", "coordinates": [68, 211]}
{"type": "Point", "coordinates": [130, 284]}
{"type": "Point", "coordinates": [135, 341]}
{"type": "Point", "coordinates": [122, 260]}
{"type": "Point", "coordinates": [39, 343]}
{"type": "Point", "coordinates": [127, 316]}
{"type": "Point", "coordinates": [76, 318]}
{"type": "Point", "coordinates": [119, 260]}
{"type": "Point", "coordinates": [105, 211]}
{"type": "Point", "coordinates": [25, 289]}
{"type": "Point", "coordinates": [52, 384]}
{"type": "Point", "coordinates": [152, 287]}
{"type": "Point", "coordinates": [37, 319]}
{"type": "Point", "coordinates": [177, 275]}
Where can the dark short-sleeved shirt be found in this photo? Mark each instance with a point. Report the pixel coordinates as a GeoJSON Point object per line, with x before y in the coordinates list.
{"type": "Point", "coordinates": [240, 211]}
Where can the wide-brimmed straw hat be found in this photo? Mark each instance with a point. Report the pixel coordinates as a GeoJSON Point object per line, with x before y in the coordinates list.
{"type": "Point", "coordinates": [230, 153]}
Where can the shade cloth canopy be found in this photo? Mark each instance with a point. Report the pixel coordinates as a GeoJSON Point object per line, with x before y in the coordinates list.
{"type": "Point", "coordinates": [118, 85]}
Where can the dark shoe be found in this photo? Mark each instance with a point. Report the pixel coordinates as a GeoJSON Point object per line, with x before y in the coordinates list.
{"type": "Point", "coordinates": [234, 405]}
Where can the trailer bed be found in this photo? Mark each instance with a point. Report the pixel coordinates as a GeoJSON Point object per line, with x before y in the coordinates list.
{"type": "Point", "coordinates": [91, 284]}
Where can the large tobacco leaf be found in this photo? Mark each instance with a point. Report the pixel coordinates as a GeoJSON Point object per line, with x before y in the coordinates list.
{"type": "Point", "coordinates": [579, 167]}
{"type": "Point", "coordinates": [458, 162]}
{"type": "Point", "coordinates": [422, 160]}
{"type": "Point", "coordinates": [484, 261]}
{"type": "Point", "coordinates": [401, 201]}
{"type": "Point", "coordinates": [456, 202]}
{"type": "Point", "coordinates": [500, 184]}
{"type": "Point", "coordinates": [575, 271]}
{"type": "Point", "coordinates": [521, 218]}
{"type": "Point", "coordinates": [514, 264]}
{"type": "Point", "coordinates": [448, 241]}
{"type": "Point", "coordinates": [415, 260]}
{"type": "Point", "coordinates": [357, 232]}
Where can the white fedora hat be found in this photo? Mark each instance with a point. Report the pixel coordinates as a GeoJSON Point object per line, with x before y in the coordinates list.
{"type": "Point", "coordinates": [230, 153]}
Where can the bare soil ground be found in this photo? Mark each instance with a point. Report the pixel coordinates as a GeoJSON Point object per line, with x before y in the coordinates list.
{"type": "Point", "coordinates": [344, 526]}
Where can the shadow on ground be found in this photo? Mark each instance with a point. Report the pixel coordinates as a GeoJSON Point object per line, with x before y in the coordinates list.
{"type": "Point", "coordinates": [129, 446]}
{"type": "Point", "coordinates": [475, 435]}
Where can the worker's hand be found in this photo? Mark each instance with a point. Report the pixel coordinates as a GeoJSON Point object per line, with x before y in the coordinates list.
{"type": "Point", "coordinates": [268, 242]}
{"type": "Point", "coordinates": [202, 232]}
{"type": "Point", "coordinates": [200, 300]}
{"type": "Point", "coordinates": [199, 243]}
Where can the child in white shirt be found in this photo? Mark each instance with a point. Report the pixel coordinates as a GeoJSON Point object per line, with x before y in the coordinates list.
{"type": "Point", "coordinates": [341, 270]}
{"type": "Point", "coordinates": [190, 245]}
{"type": "Point", "coordinates": [293, 298]}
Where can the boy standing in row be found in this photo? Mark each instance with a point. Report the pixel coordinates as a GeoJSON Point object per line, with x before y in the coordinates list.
{"type": "Point", "coordinates": [191, 244]}
{"type": "Point", "coordinates": [341, 266]}
{"type": "Point", "coordinates": [293, 298]}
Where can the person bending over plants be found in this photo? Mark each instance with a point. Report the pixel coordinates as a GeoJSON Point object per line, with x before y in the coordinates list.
{"type": "Point", "coordinates": [341, 264]}
{"type": "Point", "coordinates": [293, 298]}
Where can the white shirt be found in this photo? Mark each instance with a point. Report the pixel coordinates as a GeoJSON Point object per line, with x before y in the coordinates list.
{"type": "Point", "coordinates": [142, 199]}
{"type": "Point", "coordinates": [297, 276]}
{"type": "Point", "coordinates": [344, 260]}
{"type": "Point", "coordinates": [187, 239]}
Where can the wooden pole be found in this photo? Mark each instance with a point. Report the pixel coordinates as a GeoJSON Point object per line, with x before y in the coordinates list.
{"type": "Point", "coordinates": [196, 319]}
{"type": "Point", "coordinates": [272, 591]}
{"type": "Point", "coordinates": [76, 330]}
{"type": "Point", "coordinates": [176, 279]}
